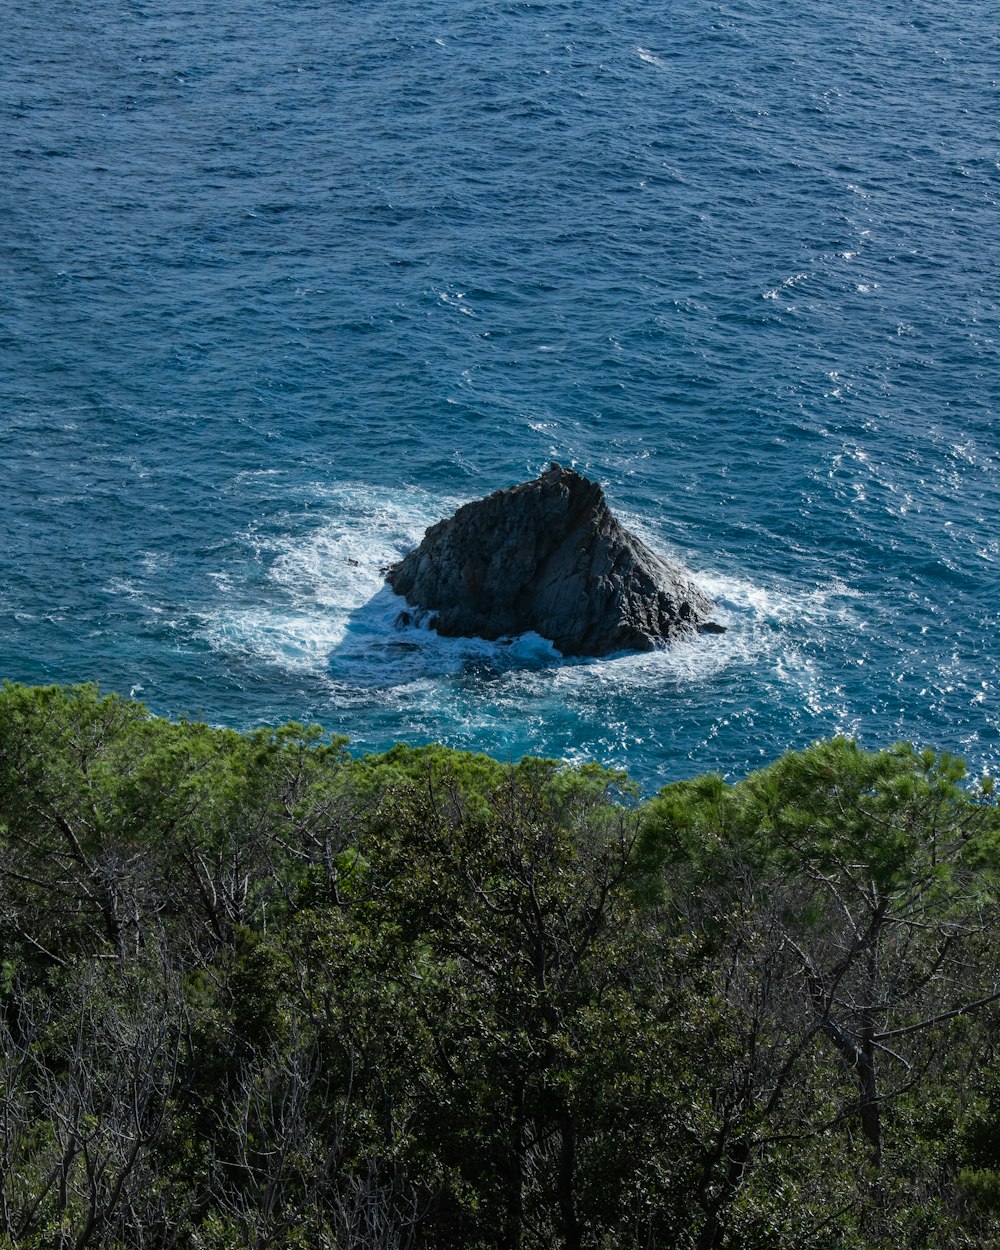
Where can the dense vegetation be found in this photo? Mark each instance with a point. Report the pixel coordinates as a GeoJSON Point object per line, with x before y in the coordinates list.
{"type": "Point", "coordinates": [256, 993]}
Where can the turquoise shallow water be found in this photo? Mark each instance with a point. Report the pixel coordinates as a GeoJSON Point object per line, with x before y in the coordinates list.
{"type": "Point", "coordinates": [283, 285]}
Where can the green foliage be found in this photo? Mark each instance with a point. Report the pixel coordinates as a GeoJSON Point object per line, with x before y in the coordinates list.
{"type": "Point", "coordinates": [982, 1187]}
{"type": "Point", "coordinates": [255, 992]}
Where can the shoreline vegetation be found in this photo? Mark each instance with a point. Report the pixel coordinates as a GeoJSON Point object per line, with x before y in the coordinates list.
{"type": "Point", "coordinates": [258, 993]}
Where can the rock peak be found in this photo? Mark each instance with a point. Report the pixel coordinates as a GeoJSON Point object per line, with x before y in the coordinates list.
{"type": "Point", "coordinates": [549, 556]}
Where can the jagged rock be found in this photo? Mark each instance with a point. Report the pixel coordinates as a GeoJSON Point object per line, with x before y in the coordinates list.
{"type": "Point", "coordinates": [549, 556]}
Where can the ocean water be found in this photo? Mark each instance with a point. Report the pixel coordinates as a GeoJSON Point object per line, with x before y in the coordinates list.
{"type": "Point", "coordinates": [282, 284]}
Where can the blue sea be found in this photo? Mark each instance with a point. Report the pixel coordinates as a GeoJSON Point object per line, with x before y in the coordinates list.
{"type": "Point", "coordinates": [285, 283]}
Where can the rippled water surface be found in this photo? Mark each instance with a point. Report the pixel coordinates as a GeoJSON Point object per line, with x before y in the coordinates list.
{"type": "Point", "coordinates": [282, 285]}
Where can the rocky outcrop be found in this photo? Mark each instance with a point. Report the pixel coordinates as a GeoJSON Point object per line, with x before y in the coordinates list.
{"type": "Point", "coordinates": [549, 556]}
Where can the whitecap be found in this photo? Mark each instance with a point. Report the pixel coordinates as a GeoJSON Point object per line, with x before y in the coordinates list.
{"type": "Point", "coordinates": [456, 300]}
{"type": "Point", "coordinates": [645, 55]}
{"type": "Point", "coordinates": [315, 604]}
{"type": "Point", "coordinates": [308, 586]}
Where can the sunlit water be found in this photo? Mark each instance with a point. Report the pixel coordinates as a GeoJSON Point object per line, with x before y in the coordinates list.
{"type": "Point", "coordinates": [284, 285]}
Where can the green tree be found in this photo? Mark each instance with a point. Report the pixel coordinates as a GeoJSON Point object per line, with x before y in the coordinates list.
{"type": "Point", "coordinates": [530, 1039]}
{"type": "Point", "coordinates": [849, 899]}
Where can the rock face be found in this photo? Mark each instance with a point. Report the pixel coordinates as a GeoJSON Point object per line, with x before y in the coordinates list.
{"type": "Point", "coordinates": [549, 556]}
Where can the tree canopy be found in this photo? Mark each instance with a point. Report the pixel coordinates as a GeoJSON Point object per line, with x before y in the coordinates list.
{"type": "Point", "coordinates": [256, 992]}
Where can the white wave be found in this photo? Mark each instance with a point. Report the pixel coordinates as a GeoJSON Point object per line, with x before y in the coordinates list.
{"type": "Point", "coordinates": [645, 55]}
{"type": "Point", "coordinates": [128, 590]}
{"type": "Point", "coordinates": [153, 561]}
{"type": "Point", "coordinates": [293, 641]}
{"type": "Point", "coordinates": [791, 281]}
{"type": "Point", "coordinates": [311, 585]}
{"type": "Point", "coordinates": [456, 299]}
{"type": "Point", "coordinates": [320, 606]}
